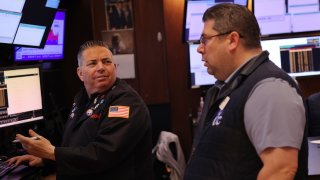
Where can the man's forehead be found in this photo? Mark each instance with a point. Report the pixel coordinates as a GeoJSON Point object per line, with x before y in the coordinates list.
{"type": "Point", "coordinates": [208, 27]}
{"type": "Point", "coordinates": [209, 24]}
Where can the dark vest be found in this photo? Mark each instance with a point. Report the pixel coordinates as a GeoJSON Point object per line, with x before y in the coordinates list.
{"type": "Point", "coordinates": [224, 151]}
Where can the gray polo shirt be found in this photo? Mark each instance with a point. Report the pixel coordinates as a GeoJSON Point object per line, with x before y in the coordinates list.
{"type": "Point", "coordinates": [274, 114]}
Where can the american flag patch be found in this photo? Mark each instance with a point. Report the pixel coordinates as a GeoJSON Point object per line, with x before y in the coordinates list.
{"type": "Point", "coordinates": [119, 111]}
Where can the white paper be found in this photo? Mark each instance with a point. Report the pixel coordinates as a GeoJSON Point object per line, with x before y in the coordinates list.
{"type": "Point", "coordinates": [125, 66]}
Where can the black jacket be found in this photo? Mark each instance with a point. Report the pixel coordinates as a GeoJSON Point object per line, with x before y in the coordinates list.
{"type": "Point", "coordinates": [98, 146]}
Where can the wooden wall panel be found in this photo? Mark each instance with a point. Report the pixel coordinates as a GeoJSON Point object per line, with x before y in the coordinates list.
{"type": "Point", "coordinates": [309, 85]}
{"type": "Point", "coordinates": [150, 52]}
{"type": "Point", "coordinates": [183, 100]}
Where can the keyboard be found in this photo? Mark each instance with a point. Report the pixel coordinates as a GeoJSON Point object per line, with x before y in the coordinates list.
{"type": "Point", "coordinates": [5, 168]}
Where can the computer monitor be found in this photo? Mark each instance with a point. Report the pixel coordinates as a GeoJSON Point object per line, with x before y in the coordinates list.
{"type": "Point", "coordinates": [20, 95]}
{"type": "Point", "coordinates": [297, 56]}
{"type": "Point", "coordinates": [194, 10]}
{"type": "Point", "coordinates": [54, 47]}
{"type": "Point", "coordinates": [314, 156]}
{"type": "Point", "coordinates": [287, 16]}
{"type": "Point", "coordinates": [26, 22]}
{"type": "Point", "coordinates": [198, 74]}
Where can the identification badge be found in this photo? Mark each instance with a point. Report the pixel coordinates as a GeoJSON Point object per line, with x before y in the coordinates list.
{"type": "Point", "coordinates": [217, 120]}
{"type": "Point", "coordinates": [224, 103]}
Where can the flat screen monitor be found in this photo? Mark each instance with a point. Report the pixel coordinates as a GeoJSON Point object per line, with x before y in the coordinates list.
{"type": "Point", "coordinates": [54, 47]}
{"type": "Point", "coordinates": [297, 56]}
{"type": "Point", "coordinates": [20, 95]}
{"type": "Point", "coordinates": [313, 156]}
{"type": "Point", "coordinates": [198, 72]}
{"type": "Point", "coordinates": [287, 16]}
{"type": "Point", "coordinates": [26, 22]}
{"type": "Point", "coordinates": [194, 10]}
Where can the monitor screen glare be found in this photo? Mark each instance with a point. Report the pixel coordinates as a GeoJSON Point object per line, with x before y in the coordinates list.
{"type": "Point", "coordinates": [20, 96]}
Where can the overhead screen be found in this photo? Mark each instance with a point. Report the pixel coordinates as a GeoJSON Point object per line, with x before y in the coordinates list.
{"type": "Point", "coordinates": [26, 22]}
{"type": "Point", "coordinates": [54, 47]}
{"type": "Point", "coordinates": [297, 56]}
{"type": "Point", "coordinates": [287, 16]}
{"type": "Point", "coordinates": [289, 25]}
{"type": "Point", "coordinates": [20, 96]}
{"type": "Point", "coordinates": [193, 16]}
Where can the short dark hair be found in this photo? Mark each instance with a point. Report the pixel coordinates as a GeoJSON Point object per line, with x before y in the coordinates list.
{"type": "Point", "coordinates": [89, 44]}
{"type": "Point", "coordinates": [233, 17]}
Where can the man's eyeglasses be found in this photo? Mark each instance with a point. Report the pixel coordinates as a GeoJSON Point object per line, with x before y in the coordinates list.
{"type": "Point", "coordinates": [203, 40]}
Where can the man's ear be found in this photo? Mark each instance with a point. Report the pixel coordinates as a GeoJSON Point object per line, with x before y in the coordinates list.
{"type": "Point", "coordinates": [234, 38]}
{"type": "Point", "coordinates": [79, 72]}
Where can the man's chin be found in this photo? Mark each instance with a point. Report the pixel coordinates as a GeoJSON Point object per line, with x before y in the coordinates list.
{"type": "Point", "coordinates": [103, 86]}
{"type": "Point", "coordinates": [210, 72]}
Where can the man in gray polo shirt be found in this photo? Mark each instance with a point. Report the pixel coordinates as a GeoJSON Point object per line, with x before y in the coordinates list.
{"type": "Point", "coordinates": [253, 122]}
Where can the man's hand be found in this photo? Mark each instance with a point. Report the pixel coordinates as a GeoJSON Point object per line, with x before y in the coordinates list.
{"type": "Point", "coordinates": [39, 147]}
{"type": "Point", "coordinates": [30, 159]}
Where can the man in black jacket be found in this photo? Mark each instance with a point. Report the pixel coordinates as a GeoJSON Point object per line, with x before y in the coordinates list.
{"type": "Point", "coordinates": [108, 133]}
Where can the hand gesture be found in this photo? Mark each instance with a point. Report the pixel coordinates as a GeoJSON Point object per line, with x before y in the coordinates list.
{"type": "Point", "coordinates": [38, 146]}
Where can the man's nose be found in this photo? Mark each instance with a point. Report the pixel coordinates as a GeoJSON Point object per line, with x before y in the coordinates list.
{"type": "Point", "coordinates": [100, 66]}
{"type": "Point", "coordinates": [200, 48]}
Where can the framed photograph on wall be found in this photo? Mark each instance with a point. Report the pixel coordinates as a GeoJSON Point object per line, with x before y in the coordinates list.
{"type": "Point", "coordinates": [119, 14]}
{"type": "Point", "coordinates": [119, 41]}
{"type": "Point", "coordinates": [119, 35]}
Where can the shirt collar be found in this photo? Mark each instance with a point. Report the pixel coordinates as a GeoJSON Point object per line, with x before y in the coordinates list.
{"type": "Point", "coordinates": [235, 72]}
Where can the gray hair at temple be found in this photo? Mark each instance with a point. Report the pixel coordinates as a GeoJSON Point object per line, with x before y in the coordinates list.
{"type": "Point", "coordinates": [233, 17]}
{"type": "Point", "coordinates": [87, 45]}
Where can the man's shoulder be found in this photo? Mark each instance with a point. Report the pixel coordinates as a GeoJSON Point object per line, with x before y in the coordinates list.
{"type": "Point", "coordinates": [122, 90]}
{"type": "Point", "coordinates": [314, 97]}
{"type": "Point", "coordinates": [123, 87]}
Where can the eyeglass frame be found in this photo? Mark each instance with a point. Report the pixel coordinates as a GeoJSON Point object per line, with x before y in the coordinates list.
{"type": "Point", "coordinates": [203, 40]}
